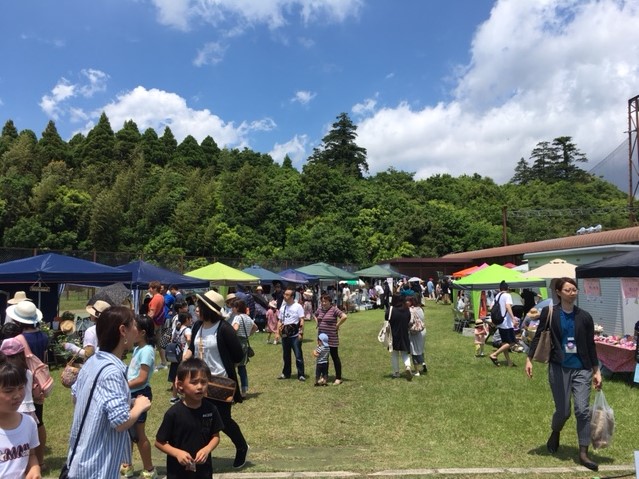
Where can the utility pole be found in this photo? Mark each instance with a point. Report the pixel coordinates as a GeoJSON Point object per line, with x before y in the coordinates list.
{"type": "Point", "coordinates": [633, 155]}
{"type": "Point", "coordinates": [504, 220]}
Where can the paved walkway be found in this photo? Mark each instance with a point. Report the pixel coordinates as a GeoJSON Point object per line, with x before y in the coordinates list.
{"type": "Point", "coordinates": [487, 471]}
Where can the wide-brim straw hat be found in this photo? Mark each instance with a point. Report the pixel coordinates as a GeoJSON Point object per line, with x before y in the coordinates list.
{"type": "Point", "coordinates": [97, 308]}
{"type": "Point", "coordinates": [212, 300]}
{"type": "Point", "coordinates": [18, 297]}
{"type": "Point", "coordinates": [67, 326]}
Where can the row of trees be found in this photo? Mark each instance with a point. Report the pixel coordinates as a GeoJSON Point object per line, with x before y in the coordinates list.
{"type": "Point", "coordinates": [138, 192]}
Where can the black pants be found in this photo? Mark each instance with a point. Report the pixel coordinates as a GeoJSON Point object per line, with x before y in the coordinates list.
{"type": "Point", "coordinates": [336, 362]}
{"type": "Point", "coordinates": [231, 428]}
{"type": "Point", "coordinates": [321, 369]}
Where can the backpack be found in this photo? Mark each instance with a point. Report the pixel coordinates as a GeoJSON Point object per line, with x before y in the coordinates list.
{"type": "Point", "coordinates": [42, 380]}
{"type": "Point", "coordinates": [495, 312]}
{"type": "Point", "coordinates": [173, 350]}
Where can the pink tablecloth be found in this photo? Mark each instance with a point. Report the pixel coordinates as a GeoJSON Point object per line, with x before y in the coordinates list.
{"type": "Point", "coordinates": [615, 358]}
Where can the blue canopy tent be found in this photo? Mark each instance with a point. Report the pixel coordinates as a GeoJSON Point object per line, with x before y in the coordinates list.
{"type": "Point", "coordinates": [265, 275]}
{"type": "Point", "coordinates": [43, 276]}
{"type": "Point", "coordinates": [295, 276]}
{"type": "Point", "coordinates": [143, 273]}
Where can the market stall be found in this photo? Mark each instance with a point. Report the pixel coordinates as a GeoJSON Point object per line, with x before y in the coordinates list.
{"type": "Point", "coordinates": [609, 291]}
{"type": "Point", "coordinates": [488, 279]}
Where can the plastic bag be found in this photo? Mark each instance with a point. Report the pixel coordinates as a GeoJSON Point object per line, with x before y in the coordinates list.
{"type": "Point", "coordinates": [602, 422]}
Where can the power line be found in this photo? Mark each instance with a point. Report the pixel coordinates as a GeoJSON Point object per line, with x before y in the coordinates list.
{"type": "Point", "coordinates": [569, 212]}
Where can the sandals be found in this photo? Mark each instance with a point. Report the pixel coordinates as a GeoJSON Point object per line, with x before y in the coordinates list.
{"type": "Point", "coordinates": [495, 361]}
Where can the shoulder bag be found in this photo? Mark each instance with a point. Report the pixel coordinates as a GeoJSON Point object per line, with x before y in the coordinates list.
{"type": "Point", "coordinates": [64, 472]}
{"type": "Point", "coordinates": [249, 350]}
{"type": "Point", "coordinates": [385, 335]}
{"type": "Point", "coordinates": [544, 345]}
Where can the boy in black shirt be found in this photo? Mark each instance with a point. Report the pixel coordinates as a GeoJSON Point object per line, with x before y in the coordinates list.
{"type": "Point", "coordinates": [191, 428]}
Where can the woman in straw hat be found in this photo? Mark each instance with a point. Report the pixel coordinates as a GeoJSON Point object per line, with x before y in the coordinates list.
{"type": "Point", "coordinates": [214, 340]}
{"type": "Point", "coordinates": [90, 338]}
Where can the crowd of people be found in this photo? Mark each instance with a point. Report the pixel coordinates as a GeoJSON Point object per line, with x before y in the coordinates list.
{"type": "Point", "coordinates": [207, 336]}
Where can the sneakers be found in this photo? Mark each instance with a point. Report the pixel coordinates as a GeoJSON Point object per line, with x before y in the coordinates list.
{"type": "Point", "coordinates": [416, 373]}
{"type": "Point", "coordinates": [126, 470]}
{"type": "Point", "coordinates": [301, 378]}
{"type": "Point", "coordinates": [395, 375]}
{"type": "Point", "coordinates": [281, 376]}
{"type": "Point", "coordinates": [160, 366]}
{"type": "Point", "coordinates": [175, 400]}
{"type": "Point", "coordinates": [408, 374]}
{"type": "Point", "coordinates": [240, 457]}
{"type": "Point", "coordinates": [337, 382]}
{"type": "Point", "coordinates": [149, 474]}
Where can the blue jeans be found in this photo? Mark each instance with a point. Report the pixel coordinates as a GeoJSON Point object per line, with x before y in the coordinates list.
{"type": "Point", "coordinates": [295, 344]}
{"type": "Point", "coordinates": [241, 372]}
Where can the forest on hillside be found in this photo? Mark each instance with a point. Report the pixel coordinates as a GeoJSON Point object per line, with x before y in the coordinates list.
{"type": "Point", "coordinates": [137, 192]}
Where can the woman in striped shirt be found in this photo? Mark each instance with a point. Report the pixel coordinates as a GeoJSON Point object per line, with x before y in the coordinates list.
{"type": "Point", "coordinates": [104, 443]}
{"type": "Point", "coordinates": [329, 319]}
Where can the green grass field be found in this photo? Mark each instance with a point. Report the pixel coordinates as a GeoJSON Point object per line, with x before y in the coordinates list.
{"type": "Point", "coordinates": [464, 413]}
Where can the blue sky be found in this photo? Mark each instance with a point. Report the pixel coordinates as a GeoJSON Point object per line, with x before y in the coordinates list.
{"type": "Point", "coordinates": [459, 86]}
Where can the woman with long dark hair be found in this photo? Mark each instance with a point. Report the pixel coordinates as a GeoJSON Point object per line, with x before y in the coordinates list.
{"type": "Point", "coordinates": [573, 365]}
{"type": "Point", "coordinates": [398, 315]}
{"type": "Point", "coordinates": [214, 340]}
{"type": "Point", "coordinates": [104, 444]}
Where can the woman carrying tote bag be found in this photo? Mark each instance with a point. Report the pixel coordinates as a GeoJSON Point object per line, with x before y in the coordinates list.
{"type": "Point", "coordinates": [573, 365]}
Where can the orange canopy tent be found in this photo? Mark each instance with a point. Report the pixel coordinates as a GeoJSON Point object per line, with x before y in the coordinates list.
{"type": "Point", "coordinates": [465, 272]}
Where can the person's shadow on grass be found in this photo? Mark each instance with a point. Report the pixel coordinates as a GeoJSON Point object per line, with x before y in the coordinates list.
{"type": "Point", "coordinates": [570, 453]}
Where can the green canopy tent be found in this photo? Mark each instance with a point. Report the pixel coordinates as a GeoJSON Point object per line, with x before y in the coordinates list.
{"type": "Point", "coordinates": [325, 271]}
{"type": "Point", "coordinates": [490, 278]}
{"type": "Point", "coordinates": [378, 271]}
{"type": "Point", "coordinates": [220, 274]}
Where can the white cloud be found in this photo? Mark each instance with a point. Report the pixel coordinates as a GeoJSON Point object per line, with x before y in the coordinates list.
{"type": "Point", "coordinates": [295, 148]}
{"type": "Point", "coordinates": [157, 109]}
{"type": "Point", "coordinates": [303, 97]}
{"type": "Point", "coordinates": [211, 53]}
{"type": "Point", "coordinates": [539, 69]}
{"type": "Point", "coordinates": [366, 107]}
{"type": "Point", "coordinates": [97, 82]}
{"type": "Point", "coordinates": [50, 104]}
{"type": "Point", "coordinates": [54, 104]}
{"type": "Point", "coordinates": [181, 14]}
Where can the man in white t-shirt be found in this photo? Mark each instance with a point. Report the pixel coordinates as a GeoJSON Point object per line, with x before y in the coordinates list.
{"type": "Point", "coordinates": [506, 328]}
{"type": "Point", "coordinates": [291, 328]}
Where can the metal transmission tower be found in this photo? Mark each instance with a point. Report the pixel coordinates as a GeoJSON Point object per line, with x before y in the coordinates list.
{"type": "Point", "coordinates": [633, 154]}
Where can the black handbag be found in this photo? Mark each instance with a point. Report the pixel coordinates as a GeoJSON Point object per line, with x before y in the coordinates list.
{"type": "Point", "coordinates": [64, 471]}
{"type": "Point", "coordinates": [249, 350]}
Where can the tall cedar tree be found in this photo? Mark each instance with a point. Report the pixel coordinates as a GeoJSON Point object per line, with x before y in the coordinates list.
{"type": "Point", "coordinates": [340, 151]}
